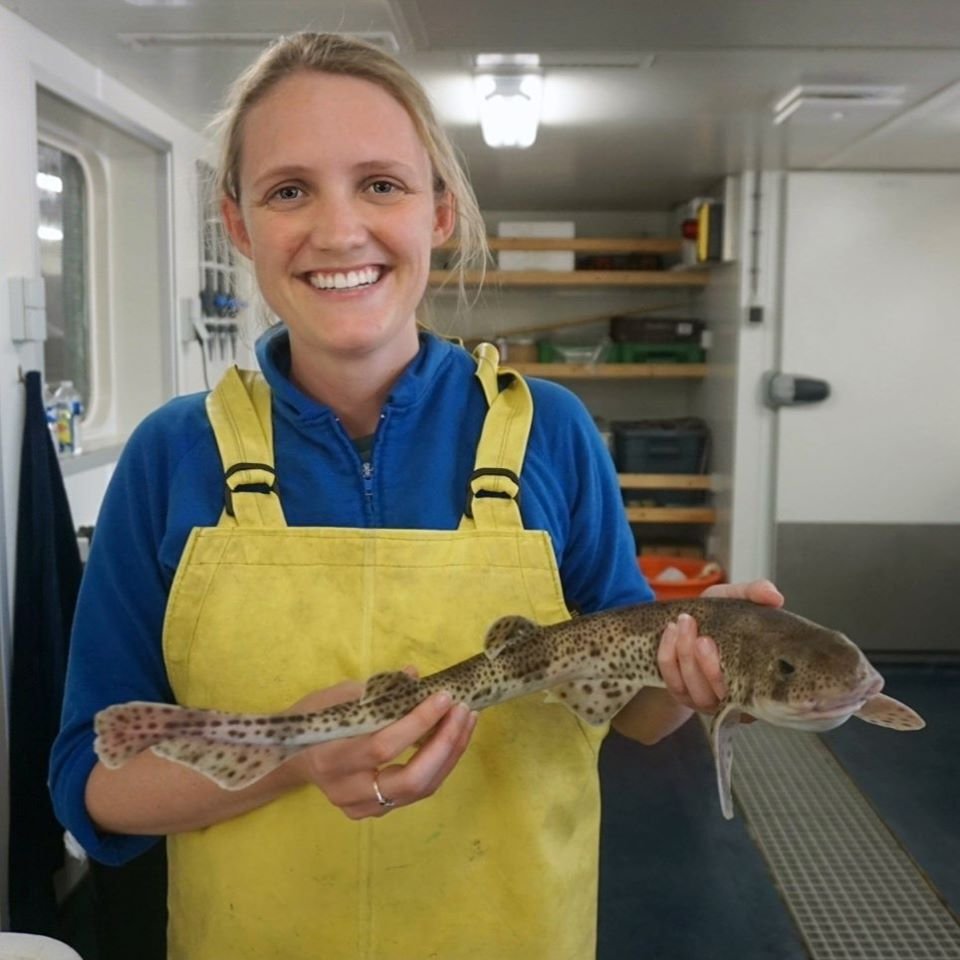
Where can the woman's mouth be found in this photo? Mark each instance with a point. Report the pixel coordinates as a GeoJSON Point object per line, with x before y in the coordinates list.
{"type": "Point", "coordinates": [346, 280]}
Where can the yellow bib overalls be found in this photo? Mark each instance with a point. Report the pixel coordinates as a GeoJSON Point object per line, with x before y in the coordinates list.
{"type": "Point", "coordinates": [501, 864]}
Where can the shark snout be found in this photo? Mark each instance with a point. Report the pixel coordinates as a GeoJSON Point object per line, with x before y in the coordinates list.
{"type": "Point", "coordinates": [869, 687]}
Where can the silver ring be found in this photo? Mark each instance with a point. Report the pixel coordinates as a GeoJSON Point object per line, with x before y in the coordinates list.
{"type": "Point", "coordinates": [381, 799]}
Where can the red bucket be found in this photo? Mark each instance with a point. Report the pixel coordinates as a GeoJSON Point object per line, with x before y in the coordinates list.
{"type": "Point", "coordinates": [679, 578]}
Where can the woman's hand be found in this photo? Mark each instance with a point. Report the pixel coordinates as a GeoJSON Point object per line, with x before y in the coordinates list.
{"type": "Point", "coordinates": [690, 664]}
{"type": "Point", "coordinates": [356, 772]}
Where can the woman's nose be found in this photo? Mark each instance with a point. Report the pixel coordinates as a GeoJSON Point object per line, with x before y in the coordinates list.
{"type": "Point", "coordinates": [337, 224]}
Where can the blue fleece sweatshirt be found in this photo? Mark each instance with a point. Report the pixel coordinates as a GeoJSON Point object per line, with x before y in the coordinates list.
{"type": "Point", "coordinates": [170, 480]}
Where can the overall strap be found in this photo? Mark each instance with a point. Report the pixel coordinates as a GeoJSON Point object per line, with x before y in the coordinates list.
{"type": "Point", "coordinates": [239, 412]}
{"type": "Point", "coordinates": [494, 488]}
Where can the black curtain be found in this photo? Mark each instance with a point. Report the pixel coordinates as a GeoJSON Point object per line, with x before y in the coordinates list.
{"type": "Point", "coordinates": [47, 579]}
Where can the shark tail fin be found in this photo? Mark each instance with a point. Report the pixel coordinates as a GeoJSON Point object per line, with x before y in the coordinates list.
{"type": "Point", "coordinates": [127, 729]}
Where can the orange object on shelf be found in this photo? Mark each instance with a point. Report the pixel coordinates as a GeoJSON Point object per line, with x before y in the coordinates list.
{"type": "Point", "coordinates": [679, 578]}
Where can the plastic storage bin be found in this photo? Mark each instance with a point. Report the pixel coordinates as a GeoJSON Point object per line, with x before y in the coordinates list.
{"type": "Point", "coordinates": [662, 446]}
{"type": "Point", "coordinates": [553, 352]}
{"type": "Point", "coordinates": [679, 578]}
{"type": "Point", "coordinates": [628, 328]}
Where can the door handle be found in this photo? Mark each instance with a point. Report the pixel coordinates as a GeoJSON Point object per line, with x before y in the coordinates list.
{"type": "Point", "coordinates": [791, 390]}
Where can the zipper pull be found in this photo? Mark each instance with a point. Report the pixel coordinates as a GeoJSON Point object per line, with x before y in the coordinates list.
{"type": "Point", "coordinates": [366, 472]}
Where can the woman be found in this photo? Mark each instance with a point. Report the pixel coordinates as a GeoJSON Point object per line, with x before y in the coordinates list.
{"type": "Point", "coordinates": [378, 498]}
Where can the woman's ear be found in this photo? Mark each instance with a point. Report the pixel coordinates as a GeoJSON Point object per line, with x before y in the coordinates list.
{"type": "Point", "coordinates": [236, 228]}
{"type": "Point", "coordinates": [444, 218]}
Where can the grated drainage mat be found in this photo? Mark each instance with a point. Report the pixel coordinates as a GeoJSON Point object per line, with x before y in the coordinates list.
{"type": "Point", "coordinates": [853, 891]}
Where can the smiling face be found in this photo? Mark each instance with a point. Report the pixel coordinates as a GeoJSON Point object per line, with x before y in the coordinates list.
{"type": "Point", "coordinates": [338, 214]}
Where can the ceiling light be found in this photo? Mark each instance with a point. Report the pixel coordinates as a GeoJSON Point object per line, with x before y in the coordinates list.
{"type": "Point", "coordinates": [509, 89]}
{"type": "Point", "coordinates": [160, 3]}
{"type": "Point", "coordinates": [50, 234]}
{"type": "Point", "coordinates": [818, 102]}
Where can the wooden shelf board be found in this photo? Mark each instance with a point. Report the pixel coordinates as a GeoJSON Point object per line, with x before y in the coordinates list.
{"type": "Point", "coordinates": [612, 371]}
{"type": "Point", "coordinates": [671, 515]}
{"type": "Point", "coordinates": [583, 244]}
{"type": "Point", "coordinates": [665, 481]}
{"type": "Point", "coordinates": [577, 278]}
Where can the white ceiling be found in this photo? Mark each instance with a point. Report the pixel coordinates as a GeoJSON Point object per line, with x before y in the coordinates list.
{"type": "Point", "coordinates": [647, 102]}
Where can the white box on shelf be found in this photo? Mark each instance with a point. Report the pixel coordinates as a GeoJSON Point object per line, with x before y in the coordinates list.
{"type": "Point", "coordinates": [536, 259]}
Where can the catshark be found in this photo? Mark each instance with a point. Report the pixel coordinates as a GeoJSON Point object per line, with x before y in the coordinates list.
{"type": "Point", "coordinates": [779, 667]}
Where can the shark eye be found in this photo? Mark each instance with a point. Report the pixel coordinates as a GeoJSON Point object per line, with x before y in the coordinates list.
{"type": "Point", "coordinates": [785, 667]}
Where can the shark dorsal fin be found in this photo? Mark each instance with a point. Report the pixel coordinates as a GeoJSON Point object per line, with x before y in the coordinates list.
{"type": "Point", "coordinates": [508, 632]}
{"type": "Point", "coordinates": [393, 681]}
{"type": "Point", "coordinates": [887, 712]}
{"type": "Point", "coordinates": [722, 729]}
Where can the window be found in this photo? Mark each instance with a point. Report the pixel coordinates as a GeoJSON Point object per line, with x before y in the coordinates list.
{"type": "Point", "coordinates": [62, 193]}
{"type": "Point", "coordinates": [106, 259]}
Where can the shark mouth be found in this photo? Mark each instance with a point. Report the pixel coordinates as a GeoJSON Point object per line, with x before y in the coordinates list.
{"type": "Point", "coordinates": [821, 712]}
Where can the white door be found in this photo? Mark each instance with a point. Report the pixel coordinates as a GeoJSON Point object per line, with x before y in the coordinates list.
{"type": "Point", "coordinates": [867, 493]}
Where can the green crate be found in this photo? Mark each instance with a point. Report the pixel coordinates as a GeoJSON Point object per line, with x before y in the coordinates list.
{"type": "Point", "coordinates": [660, 353]}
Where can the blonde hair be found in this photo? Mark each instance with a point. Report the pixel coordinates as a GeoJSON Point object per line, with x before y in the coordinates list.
{"type": "Point", "coordinates": [338, 54]}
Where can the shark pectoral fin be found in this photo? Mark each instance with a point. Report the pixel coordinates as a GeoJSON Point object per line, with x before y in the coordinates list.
{"type": "Point", "coordinates": [230, 765]}
{"type": "Point", "coordinates": [723, 728]}
{"type": "Point", "coordinates": [392, 681]}
{"type": "Point", "coordinates": [887, 712]}
{"type": "Point", "coordinates": [508, 632]}
{"type": "Point", "coordinates": [594, 701]}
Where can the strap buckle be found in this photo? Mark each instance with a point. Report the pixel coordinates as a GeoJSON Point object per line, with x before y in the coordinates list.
{"type": "Point", "coordinates": [246, 487]}
{"type": "Point", "coordinates": [501, 494]}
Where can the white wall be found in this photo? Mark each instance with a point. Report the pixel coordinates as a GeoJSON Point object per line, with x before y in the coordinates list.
{"type": "Point", "coordinates": [870, 305]}
{"type": "Point", "coordinates": [29, 58]}
{"type": "Point", "coordinates": [750, 494]}
{"type": "Point", "coordinates": [716, 396]}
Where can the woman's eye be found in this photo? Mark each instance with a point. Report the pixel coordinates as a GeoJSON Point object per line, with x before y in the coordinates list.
{"type": "Point", "coordinates": [289, 192]}
{"type": "Point", "coordinates": [383, 188]}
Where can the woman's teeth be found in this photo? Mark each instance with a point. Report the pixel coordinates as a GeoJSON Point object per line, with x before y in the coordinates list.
{"type": "Point", "coordinates": [345, 281]}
